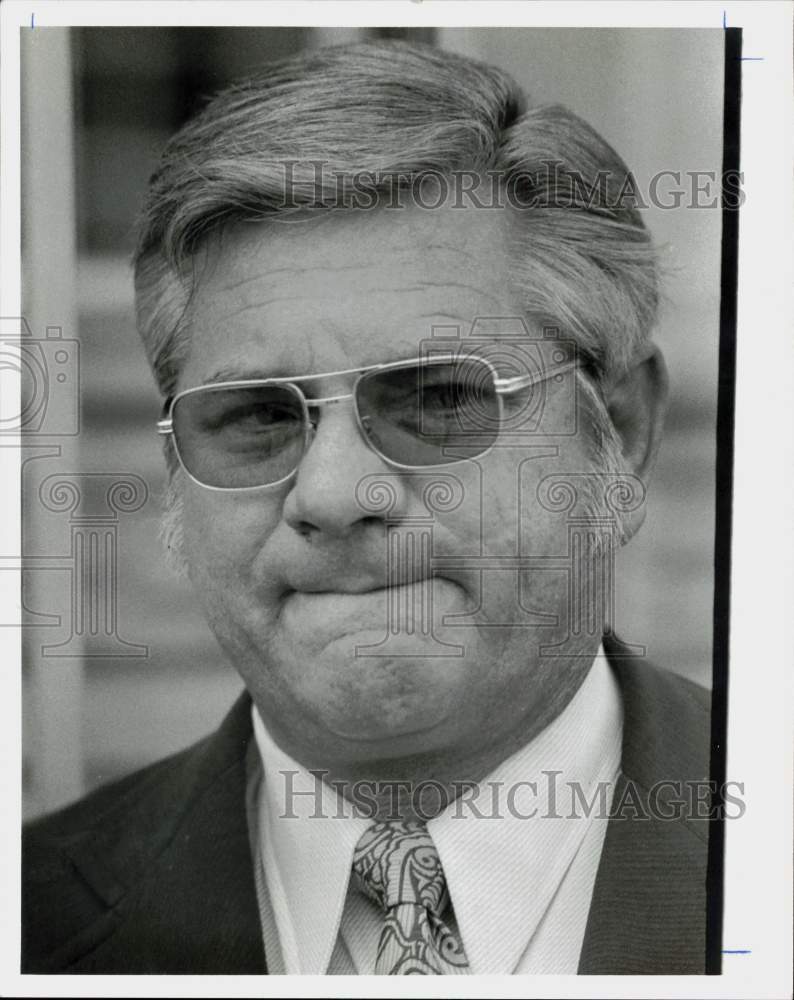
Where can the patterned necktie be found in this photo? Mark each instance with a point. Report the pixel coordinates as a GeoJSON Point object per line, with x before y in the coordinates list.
{"type": "Point", "coordinates": [397, 866]}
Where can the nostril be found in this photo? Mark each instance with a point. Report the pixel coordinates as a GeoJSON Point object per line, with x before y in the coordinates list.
{"type": "Point", "coordinates": [306, 529]}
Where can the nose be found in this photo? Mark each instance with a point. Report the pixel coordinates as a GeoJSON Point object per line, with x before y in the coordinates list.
{"type": "Point", "coordinates": [326, 495]}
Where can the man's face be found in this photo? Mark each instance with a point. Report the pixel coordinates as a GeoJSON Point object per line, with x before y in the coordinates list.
{"type": "Point", "coordinates": [294, 578]}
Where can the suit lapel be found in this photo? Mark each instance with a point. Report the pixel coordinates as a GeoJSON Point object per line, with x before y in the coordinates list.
{"type": "Point", "coordinates": [648, 911]}
{"type": "Point", "coordinates": [188, 905]}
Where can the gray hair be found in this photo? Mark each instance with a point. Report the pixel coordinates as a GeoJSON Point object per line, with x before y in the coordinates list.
{"type": "Point", "coordinates": [582, 258]}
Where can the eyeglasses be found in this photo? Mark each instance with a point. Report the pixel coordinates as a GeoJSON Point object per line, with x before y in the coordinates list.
{"type": "Point", "coordinates": [415, 414]}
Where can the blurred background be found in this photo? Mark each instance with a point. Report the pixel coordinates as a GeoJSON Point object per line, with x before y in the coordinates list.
{"type": "Point", "coordinates": [119, 667]}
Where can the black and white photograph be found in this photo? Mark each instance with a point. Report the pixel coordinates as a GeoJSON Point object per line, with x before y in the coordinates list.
{"type": "Point", "coordinates": [375, 393]}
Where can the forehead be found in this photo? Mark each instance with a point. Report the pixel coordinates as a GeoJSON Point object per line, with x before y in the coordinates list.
{"type": "Point", "coordinates": [343, 291]}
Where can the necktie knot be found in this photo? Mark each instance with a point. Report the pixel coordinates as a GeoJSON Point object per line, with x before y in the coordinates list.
{"type": "Point", "coordinates": [397, 865]}
{"type": "Point", "coordinates": [397, 862]}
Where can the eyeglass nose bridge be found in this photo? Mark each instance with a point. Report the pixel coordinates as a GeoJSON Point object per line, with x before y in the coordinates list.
{"type": "Point", "coordinates": [363, 423]}
{"type": "Point", "coordinates": [328, 400]}
{"type": "Point", "coordinates": [320, 402]}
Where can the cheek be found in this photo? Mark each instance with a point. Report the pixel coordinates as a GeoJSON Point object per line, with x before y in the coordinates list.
{"type": "Point", "coordinates": [224, 533]}
{"type": "Point", "coordinates": [517, 518]}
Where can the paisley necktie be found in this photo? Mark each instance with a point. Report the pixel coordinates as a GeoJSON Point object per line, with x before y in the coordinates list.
{"type": "Point", "coordinates": [397, 866]}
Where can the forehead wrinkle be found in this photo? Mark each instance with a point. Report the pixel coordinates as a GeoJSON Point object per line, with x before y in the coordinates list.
{"type": "Point", "coordinates": [253, 306]}
{"type": "Point", "coordinates": [429, 284]}
{"type": "Point", "coordinates": [414, 254]}
{"type": "Point", "coordinates": [450, 247]}
{"type": "Point", "coordinates": [249, 306]}
{"type": "Point", "coordinates": [333, 268]}
{"type": "Point", "coordinates": [442, 314]}
{"type": "Point", "coordinates": [274, 272]}
{"type": "Point", "coordinates": [422, 286]}
{"type": "Point", "coordinates": [399, 253]}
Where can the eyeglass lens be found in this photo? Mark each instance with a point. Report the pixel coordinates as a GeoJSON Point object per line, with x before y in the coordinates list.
{"type": "Point", "coordinates": [430, 414]}
{"type": "Point", "coordinates": [239, 437]}
{"type": "Point", "coordinates": [418, 415]}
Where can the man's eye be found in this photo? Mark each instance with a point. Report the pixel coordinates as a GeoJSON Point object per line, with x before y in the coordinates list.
{"type": "Point", "coordinates": [441, 397]}
{"type": "Point", "coordinates": [252, 418]}
{"type": "Point", "coordinates": [445, 397]}
{"type": "Point", "coordinates": [413, 412]}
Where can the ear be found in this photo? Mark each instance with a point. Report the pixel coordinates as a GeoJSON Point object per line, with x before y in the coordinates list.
{"type": "Point", "coordinates": [637, 405]}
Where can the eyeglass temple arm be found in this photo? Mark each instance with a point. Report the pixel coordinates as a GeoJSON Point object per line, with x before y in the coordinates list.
{"type": "Point", "coordinates": [505, 386]}
{"type": "Point", "coordinates": [165, 424]}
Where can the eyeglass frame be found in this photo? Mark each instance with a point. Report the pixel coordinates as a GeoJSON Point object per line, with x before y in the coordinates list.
{"type": "Point", "coordinates": [502, 387]}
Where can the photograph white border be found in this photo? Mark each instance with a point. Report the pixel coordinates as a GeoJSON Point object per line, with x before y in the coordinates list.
{"type": "Point", "coordinates": [758, 861]}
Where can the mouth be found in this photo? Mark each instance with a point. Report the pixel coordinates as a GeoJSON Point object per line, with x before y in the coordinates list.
{"type": "Point", "coordinates": [335, 613]}
{"type": "Point", "coordinates": [344, 578]}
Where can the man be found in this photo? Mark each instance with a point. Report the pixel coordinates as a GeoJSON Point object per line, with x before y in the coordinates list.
{"type": "Point", "coordinates": [402, 331]}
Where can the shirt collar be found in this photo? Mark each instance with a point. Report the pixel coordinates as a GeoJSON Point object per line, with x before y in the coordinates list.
{"type": "Point", "coordinates": [308, 856]}
{"type": "Point", "coordinates": [501, 873]}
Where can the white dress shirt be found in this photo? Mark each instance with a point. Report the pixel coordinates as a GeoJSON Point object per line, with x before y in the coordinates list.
{"type": "Point", "coordinates": [520, 882]}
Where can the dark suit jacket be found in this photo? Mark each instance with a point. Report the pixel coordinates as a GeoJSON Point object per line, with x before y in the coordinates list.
{"type": "Point", "coordinates": [154, 873]}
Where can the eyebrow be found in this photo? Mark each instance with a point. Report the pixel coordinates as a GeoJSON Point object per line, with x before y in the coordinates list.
{"type": "Point", "coordinates": [229, 374]}
{"type": "Point", "coordinates": [233, 374]}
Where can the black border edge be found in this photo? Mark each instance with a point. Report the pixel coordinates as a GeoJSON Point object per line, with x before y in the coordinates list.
{"type": "Point", "coordinates": [726, 395]}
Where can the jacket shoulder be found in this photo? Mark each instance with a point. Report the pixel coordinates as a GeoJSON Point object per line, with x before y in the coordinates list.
{"type": "Point", "coordinates": [667, 735]}
{"type": "Point", "coordinates": [93, 809]}
{"type": "Point", "coordinates": [56, 895]}
{"type": "Point", "coordinates": [648, 910]}
{"type": "Point", "coordinates": [79, 862]}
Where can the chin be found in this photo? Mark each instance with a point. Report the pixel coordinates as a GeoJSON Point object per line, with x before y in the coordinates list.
{"type": "Point", "coordinates": [392, 726]}
{"type": "Point", "coordinates": [395, 701]}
